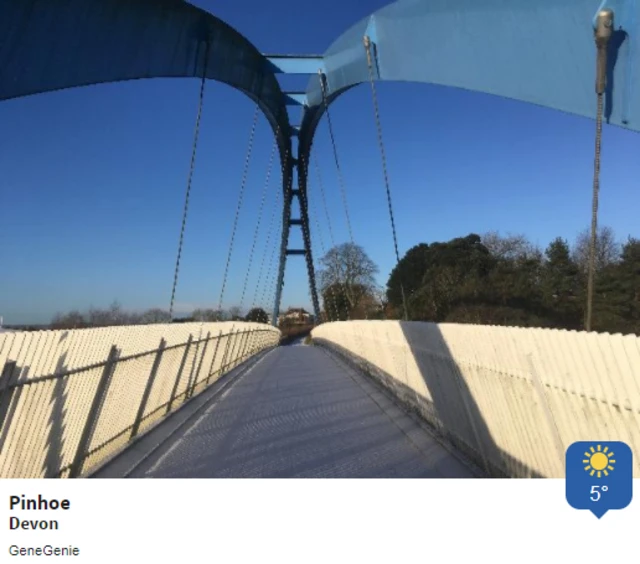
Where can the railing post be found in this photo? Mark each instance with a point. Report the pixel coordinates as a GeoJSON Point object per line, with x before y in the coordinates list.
{"type": "Point", "coordinates": [147, 390]}
{"type": "Point", "coordinates": [193, 369]}
{"type": "Point", "coordinates": [183, 362]}
{"type": "Point", "coordinates": [548, 413]}
{"type": "Point", "coordinates": [213, 359]}
{"type": "Point", "coordinates": [204, 351]}
{"type": "Point", "coordinates": [258, 341]}
{"type": "Point", "coordinates": [226, 353]}
{"type": "Point", "coordinates": [255, 341]}
{"type": "Point", "coordinates": [236, 341]}
{"type": "Point", "coordinates": [247, 345]}
{"type": "Point", "coordinates": [243, 342]}
{"type": "Point", "coordinates": [5, 394]}
{"type": "Point", "coordinates": [258, 344]}
{"type": "Point", "coordinates": [94, 413]}
{"type": "Point", "coordinates": [464, 396]}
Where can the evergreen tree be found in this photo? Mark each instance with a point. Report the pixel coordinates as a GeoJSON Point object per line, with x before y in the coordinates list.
{"type": "Point", "coordinates": [560, 295]}
{"type": "Point", "coordinates": [257, 315]}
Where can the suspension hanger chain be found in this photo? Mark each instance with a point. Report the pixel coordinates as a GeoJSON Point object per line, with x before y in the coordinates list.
{"type": "Point", "coordinates": [328, 217]}
{"type": "Point", "coordinates": [310, 213]}
{"type": "Point", "coordinates": [368, 46]}
{"type": "Point", "coordinates": [189, 179]}
{"type": "Point", "coordinates": [602, 34]}
{"type": "Point", "coordinates": [323, 86]}
{"type": "Point", "coordinates": [274, 209]}
{"type": "Point", "coordinates": [240, 200]}
{"type": "Point", "coordinates": [271, 277]}
{"type": "Point", "coordinates": [274, 233]}
{"type": "Point", "coordinates": [303, 186]}
{"type": "Point", "coordinates": [594, 213]}
{"type": "Point", "coordinates": [257, 228]}
{"type": "Point", "coordinates": [324, 201]}
{"type": "Point", "coordinates": [333, 242]}
{"type": "Point", "coordinates": [269, 280]}
{"type": "Point", "coordinates": [313, 217]}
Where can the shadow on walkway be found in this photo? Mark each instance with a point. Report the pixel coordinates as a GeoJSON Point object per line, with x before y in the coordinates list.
{"type": "Point", "coordinates": [299, 413]}
{"type": "Point", "coordinates": [452, 411]}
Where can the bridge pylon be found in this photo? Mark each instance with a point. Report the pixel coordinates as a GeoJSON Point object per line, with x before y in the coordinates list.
{"type": "Point", "coordinates": [301, 173]}
{"type": "Point", "coordinates": [295, 168]}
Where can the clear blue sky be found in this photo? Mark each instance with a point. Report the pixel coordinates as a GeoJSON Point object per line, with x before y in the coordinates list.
{"type": "Point", "coordinates": [92, 180]}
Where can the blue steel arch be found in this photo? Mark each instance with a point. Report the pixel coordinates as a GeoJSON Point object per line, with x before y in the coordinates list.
{"type": "Point", "coordinates": [536, 51]}
{"type": "Point", "coordinates": [539, 52]}
{"type": "Point", "coordinates": [48, 45]}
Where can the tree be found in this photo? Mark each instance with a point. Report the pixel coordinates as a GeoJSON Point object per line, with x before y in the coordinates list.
{"type": "Point", "coordinates": [607, 249]}
{"type": "Point", "coordinates": [209, 315]}
{"type": "Point", "coordinates": [235, 313]}
{"type": "Point", "coordinates": [629, 276]}
{"type": "Point", "coordinates": [437, 277]}
{"type": "Point", "coordinates": [375, 305]}
{"type": "Point", "coordinates": [616, 303]}
{"type": "Point", "coordinates": [72, 320]}
{"type": "Point", "coordinates": [510, 247]}
{"type": "Point", "coordinates": [257, 315]}
{"type": "Point", "coordinates": [509, 281]}
{"type": "Point", "coordinates": [370, 306]}
{"type": "Point", "coordinates": [456, 274]}
{"type": "Point", "coordinates": [512, 285]}
{"type": "Point", "coordinates": [110, 317]}
{"type": "Point", "coordinates": [336, 303]}
{"type": "Point", "coordinates": [349, 268]}
{"type": "Point", "coordinates": [155, 315]}
{"type": "Point", "coordinates": [407, 275]}
{"type": "Point", "coordinates": [560, 285]}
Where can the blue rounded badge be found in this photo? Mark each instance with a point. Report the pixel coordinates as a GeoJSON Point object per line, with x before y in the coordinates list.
{"type": "Point", "coordinates": [599, 476]}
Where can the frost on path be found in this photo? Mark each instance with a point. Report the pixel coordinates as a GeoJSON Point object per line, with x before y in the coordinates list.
{"type": "Point", "coordinates": [299, 413]}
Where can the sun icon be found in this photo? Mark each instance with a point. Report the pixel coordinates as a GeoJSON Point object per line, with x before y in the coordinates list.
{"type": "Point", "coordinates": [599, 461]}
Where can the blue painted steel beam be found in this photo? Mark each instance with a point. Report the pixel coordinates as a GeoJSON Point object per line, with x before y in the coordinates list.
{"type": "Point", "coordinates": [59, 44]}
{"type": "Point", "coordinates": [294, 64]}
{"type": "Point", "coordinates": [540, 52]}
{"type": "Point", "coordinates": [295, 98]}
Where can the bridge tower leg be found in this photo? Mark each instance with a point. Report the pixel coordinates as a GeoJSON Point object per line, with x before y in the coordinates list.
{"type": "Point", "coordinates": [299, 65]}
{"type": "Point", "coordinates": [303, 221]}
{"type": "Point", "coordinates": [306, 233]}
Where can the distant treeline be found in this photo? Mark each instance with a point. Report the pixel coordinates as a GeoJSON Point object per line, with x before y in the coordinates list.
{"type": "Point", "coordinates": [509, 281]}
{"type": "Point", "coordinates": [489, 279]}
{"type": "Point", "coordinates": [116, 315]}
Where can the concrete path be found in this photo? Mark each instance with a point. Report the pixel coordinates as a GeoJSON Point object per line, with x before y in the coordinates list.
{"type": "Point", "coordinates": [301, 412]}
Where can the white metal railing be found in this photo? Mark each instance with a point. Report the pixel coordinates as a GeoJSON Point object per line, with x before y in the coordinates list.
{"type": "Point", "coordinates": [71, 399]}
{"type": "Point", "coordinates": [513, 398]}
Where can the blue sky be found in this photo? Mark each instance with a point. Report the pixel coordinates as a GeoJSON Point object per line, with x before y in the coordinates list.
{"type": "Point", "coordinates": [93, 179]}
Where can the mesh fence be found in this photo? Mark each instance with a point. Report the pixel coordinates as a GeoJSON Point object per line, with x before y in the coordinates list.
{"type": "Point", "coordinates": [71, 399]}
{"type": "Point", "coordinates": [511, 398]}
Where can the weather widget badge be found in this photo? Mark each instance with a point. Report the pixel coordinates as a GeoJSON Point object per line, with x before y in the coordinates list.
{"type": "Point", "coordinates": [599, 476]}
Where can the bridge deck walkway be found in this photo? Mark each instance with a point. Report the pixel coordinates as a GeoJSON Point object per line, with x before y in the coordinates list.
{"type": "Point", "coordinates": [301, 412]}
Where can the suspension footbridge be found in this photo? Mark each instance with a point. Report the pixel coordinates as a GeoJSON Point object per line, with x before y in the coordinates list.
{"type": "Point", "coordinates": [395, 398]}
